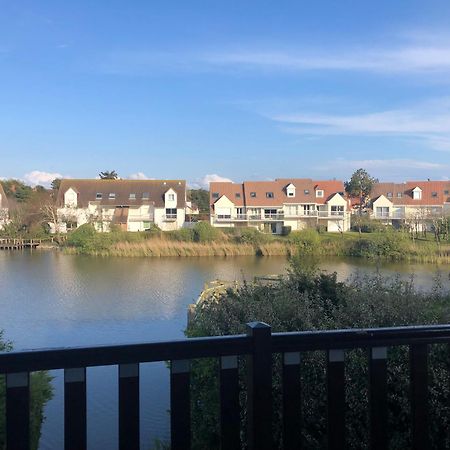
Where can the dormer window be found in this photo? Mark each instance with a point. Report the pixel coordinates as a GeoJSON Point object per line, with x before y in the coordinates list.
{"type": "Point", "coordinates": [269, 194]}
{"type": "Point", "coordinates": [237, 195]}
{"type": "Point", "coordinates": [145, 195]}
{"type": "Point", "coordinates": [399, 195]}
{"type": "Point", "coordinates": [445, 192]}
{"type": "Point", "coordinates": [389, 195]}
{"type": "Point", "coordinates": [417, 193]}
{"type": "Point", "coordinates": [171, 197]}
{"type": "Point", "coordinates": [253, 194]}
{"type": "Point", "coordinates": [98, 196]}
{"type": "Point", "coordinates": [434, 194]}
{"type": "Point", "coordinates": [290, 190]}
{"type": "Point", "coordinates": [112, 196]}
{"type": "Point", "coordinates": [306, 191]}
{"type": "Point", "coordinates": [132, 197]}
{"type": "Point", "coordinates": [215, 195]}
{"type": "Point", "coordinates": [319, 193]}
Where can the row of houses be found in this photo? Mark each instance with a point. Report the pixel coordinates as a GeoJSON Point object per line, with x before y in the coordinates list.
{"type": "Point", "coordinates": [270, 206]}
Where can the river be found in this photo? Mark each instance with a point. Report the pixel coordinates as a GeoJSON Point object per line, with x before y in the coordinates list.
{"type": "Point", "coordinates": [49, 299]}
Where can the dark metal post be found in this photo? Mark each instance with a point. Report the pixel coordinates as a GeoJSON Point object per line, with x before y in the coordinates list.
{"type": "Point", "coordinates": [129, 407]}
{"type": "Point", "coordinates": [336, 400]}
{"type": "Point", "coordinates": [259, 387]}
{"type": "Point", "coordinates": [291, 401]}
{"type": "Point", "coordinates": [18, 411]}
{"type": "Point", "coordinates": [378, 398]}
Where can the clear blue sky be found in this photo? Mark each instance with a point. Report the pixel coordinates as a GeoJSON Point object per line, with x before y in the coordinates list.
{"type": "Point", "coordinates": [238, 89]}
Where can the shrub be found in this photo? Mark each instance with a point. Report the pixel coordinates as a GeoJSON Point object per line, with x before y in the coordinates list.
{"type": "Point", "coordinates": [204, 232]}
{"type": "Point", "coordinates": [252, 236]}
{"type": "Point", "coordinates": [81, 235]}
{"type": "Point", "coordinates": [183, 235]}
{"type": "Point", "coordinates": [286, 230]}
{"type": "Point", "coordinates": [306, 240]}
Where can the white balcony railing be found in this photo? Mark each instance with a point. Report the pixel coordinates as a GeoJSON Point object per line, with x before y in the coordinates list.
{"type": "Point", "coordinates": [169, 217]}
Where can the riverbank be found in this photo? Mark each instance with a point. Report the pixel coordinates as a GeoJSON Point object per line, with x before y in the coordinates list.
{"type": "Point", "coordinates": [387, 245]}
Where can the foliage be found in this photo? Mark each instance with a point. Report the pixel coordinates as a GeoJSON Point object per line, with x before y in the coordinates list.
{"type": "Point", "coordinates": [41, 392]}
{"type": "Point", "coordinates": [205, 232]}
{"type": "Point", "coordinates": [251, 236]}
{"type": "Point", "coordinates": [17, 190]}
{"type": "Point", "coordinates": [390, 244]}
{"type": "Point", "coordinates": [308, 240]}
{"type": "Point", "coordinates": [307, 299]}
{"type": "Point", "coordinates": [108, 175]}
{"type": "Point", "coordinates": [56, 183]}
{"type": "Point", "coordinates": [359, 186]}
{"type": "Point", "coordinates": [365, 224]}
{"type": "Point", "coordinates": [201, 198]}
{"type": "Point", "coordinates": [183, 235]}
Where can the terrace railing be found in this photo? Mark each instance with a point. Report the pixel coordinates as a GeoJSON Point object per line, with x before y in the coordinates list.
{"type": "Point", "coordinates": [257, 346]}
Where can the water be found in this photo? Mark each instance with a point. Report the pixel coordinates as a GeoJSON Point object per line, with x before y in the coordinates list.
{"type": "Point", "coordinates": [50, 300]}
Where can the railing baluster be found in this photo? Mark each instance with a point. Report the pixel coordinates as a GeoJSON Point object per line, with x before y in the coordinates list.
{"type": "Point", "coordinates": [230, 418]}
{"type": "Point", "coordinates": [18, 411]}
{"type": "Point", "coordinates": [378, 397]}
{"type": "Point", "coordinates": [75, 437]}
{"type": "Point", "coordinates": [419, 395]}
{"type": "Point", "coordinates": [259, 387]}
{"type": "Point", "coordinates": [129, 436]}
{"type": "Point", "coordinates": [291, 401]}
{"type": "Point", "coordinates": [180, 405]}
{"type": "Point", "coordinates": [336, 399]}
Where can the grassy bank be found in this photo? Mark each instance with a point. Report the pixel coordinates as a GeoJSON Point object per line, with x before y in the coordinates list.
{"type": "Point", "coordinates": [204, 240]}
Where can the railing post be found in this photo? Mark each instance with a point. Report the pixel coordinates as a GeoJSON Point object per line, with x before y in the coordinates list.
{"type": "Point", "coordinates": [378, 397]}
{"type": "Point", "coordinates": [18, 411]}
{"type": "Point", "coordinates": [336, 400]}
{"type": "Point", "coordinates": [259, 387]}
{"type": "Point", "coordinates": [129, 407]}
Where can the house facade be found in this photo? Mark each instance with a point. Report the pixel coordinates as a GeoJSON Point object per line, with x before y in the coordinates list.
{"type": "Point", "coordinates": [271, 205]}
{"type": "Point", "coordinates": [132, 205]}
{"type": "Point", "coordinates": [412, 202]}
{"type": "Point", "coordinates": [4, 208]}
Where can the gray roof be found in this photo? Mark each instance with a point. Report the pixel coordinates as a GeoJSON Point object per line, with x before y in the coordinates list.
{"type": "Point", "coordinates": [154, 191]}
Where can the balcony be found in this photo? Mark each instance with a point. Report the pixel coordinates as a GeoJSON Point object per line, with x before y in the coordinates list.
{"type": "Point", "coordinates": [170, 218]}
{"type": "Point", "coordinates": [277, 216]}
{"type": "Point", "coordinates": [258, 346]}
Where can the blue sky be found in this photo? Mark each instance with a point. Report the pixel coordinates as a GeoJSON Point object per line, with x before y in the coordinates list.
{"type": "Point", "coordinates": [202, 90]}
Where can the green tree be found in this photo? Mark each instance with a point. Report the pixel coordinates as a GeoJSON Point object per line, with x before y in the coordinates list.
{"type": "Point", "coordinates": [17, 190]}
{"type": "Point", "coordinates": [360, 186]}
{"type": "Point", "coordinates": [108, 175]}
{"type": "Point", "coordinates": [56, 183]}
{"type": "Point", "coordinates": [201, 198]}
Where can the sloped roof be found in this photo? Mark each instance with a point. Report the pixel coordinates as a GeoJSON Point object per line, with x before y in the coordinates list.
{"type": "Point", "coordinates": [87, 192]}
{"type": "Point", "coordinates": [274, 193]}
{"type": "Point", "coordinates": [441, 189]}
{"type": "Point", "coordinates": [3, 200]}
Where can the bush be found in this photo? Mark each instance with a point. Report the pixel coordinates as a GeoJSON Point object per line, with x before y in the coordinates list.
{"type": "Point", "coordinates": [81, 235]}
{"type": "Point", "coordinates": [204, 232]}
{"type": "Point", "coordinates": [307, 240]}
{"type": "Point", "coordinates": [252, 236]}
{"type": "Point", "coordinates": [390, 244]}
{"type": "Point", "coordinates": [286, 230]}
{"type": "Point", "coordinates": [183, 235]}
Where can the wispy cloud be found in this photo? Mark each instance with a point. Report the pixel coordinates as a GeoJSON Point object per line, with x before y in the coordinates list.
{"type": "Point", "coordinates": [372, 164]}
{"type": "Point", "coordinates": [37, 177]}
{"type": "Point", "coordinates": [138, 176]}
{"type": "Point", "coordinates": [203, 183]}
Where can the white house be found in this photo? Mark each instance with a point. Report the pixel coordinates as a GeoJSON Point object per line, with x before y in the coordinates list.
{"type": "Point", "coordinates": [271, 205]}
{"type": "Point", "coordinates": [132, 205]}
{"type": "Point", "coordinates": [4, 208]}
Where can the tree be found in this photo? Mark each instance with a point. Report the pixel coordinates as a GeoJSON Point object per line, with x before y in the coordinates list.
{"type": "Point", "coordinates": [359, 186]}
{"type": "Point", "coordinates": [56, 183]}
{"type": "Point", "coordinates": [17, 190]}
{"type": "Point", "coordinates": [108, 175]}
{"type": "Point", "coordinates": [201, 198]}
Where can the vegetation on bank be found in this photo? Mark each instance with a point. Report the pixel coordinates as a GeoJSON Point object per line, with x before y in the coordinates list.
{"type": "Point", "coordinates": [41, 392]}
{"type": "Point", "coordinates": [205, 240]}
{"type": "Point", "coordinates": [308, 299]}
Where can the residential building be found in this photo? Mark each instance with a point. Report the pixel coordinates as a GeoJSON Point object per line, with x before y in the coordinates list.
{"type": "Point", "coordinates": [410, 202]}
{"type": "Point", "coordinates": [132, 205]}
{"type": "Point", "coordinates": [4, 208]}
{"type": "Point", "coordinates": [271, 205]}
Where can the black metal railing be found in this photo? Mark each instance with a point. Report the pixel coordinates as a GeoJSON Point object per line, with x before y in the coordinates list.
{"type": "Point", "coordinates": [258, 346]}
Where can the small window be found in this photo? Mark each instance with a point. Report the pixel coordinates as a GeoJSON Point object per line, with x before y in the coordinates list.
{"type": "Point", "coordinates": [215, 195]}
{"type": "Point", "coordinates": [399, 194]}
{"type": "Point", "coordinates": [99, 196]}
{"type": "Point", "coordinates": [171, 197]}
{"type": "Point", "coordinates": [389, 195]}
{"type": "Point", "coordinates": [445, 192]}
{"type": "Point", "coordinates": [434, 194]}
{"type": "Point", "coordinates": [253, 194]}
{"type": "Point", "coordinates": [132, 197]}
{"type": "Point", "coordinates": [145, 195]}
{"type": "Point", "coordinates": [319, 193]}
{"type": "Point", "coordinates": [237, 195]}
{"type": "Point", "coordinates": [112, 195]}
{"type": "Point", "coordinates": [290, 193]}
{"type": "Point", "coordinates": [306, 191]}
{"type": "Point", "coordinates": [269, 194]}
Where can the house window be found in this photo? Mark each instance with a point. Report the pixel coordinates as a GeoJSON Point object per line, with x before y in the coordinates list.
{"type": "Point", "coordinates": [215, 195]}
{"type": "Point", "coordinates": [171, 197]}
{"type": "Point", "coordinates": [112, 196]}
{"type": "Point", "coordinates": [319, 193]}
{"type": "Point", "coordinates": [417, 194]}
{"type": "Point", "coordinates": [434, 194]}
{"type": "Point", "coordinates": [399, 195]}
{"type": "Point", "coordinates": [337, 210]}
{"type": "Point", "coordinates": [145, 195]}
{"type": "Point", "coordinates": [171, 213]}
{"type": "Point", "coordinates": [253, 194]}
{"type": "Point", "coordinates": [132, 197]}
{"type": "Point", "coordinates": [389, 195]}
{"type": "Point", "coordinates": [269, 194]}
{"type": "Point", "coordinates": [237, 195]}
{"type": "Point", "coordinates": [290, 193]}
{"type": "Point", "coordinates": [306, 191]}
{"type": "Point", "coordinates": [270, 213]}
{"type": "Point", "coordinates": [382, 211]}
{"type": "Point", "coordinates": [99, 196]}
{"type": "Point", "coordinates": [445, 192]}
